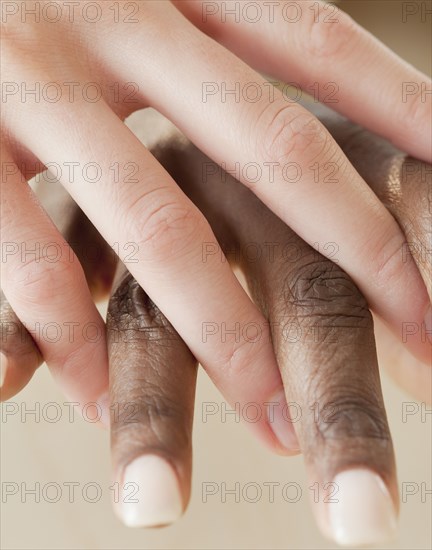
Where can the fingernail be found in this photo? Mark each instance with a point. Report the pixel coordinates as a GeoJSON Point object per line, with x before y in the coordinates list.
{"type": "Point", "coordinates": [157, 493]}
{"type": "Point", "coordinates": [364, 512]}
{"type": "Point", "coordinates": [428, 324]}
{"type": "Point", "coordinates": [3, 367]}
{"type": "Point", "coordinates": [281, 423]}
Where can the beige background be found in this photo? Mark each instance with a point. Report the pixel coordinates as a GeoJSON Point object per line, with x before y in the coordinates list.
{"type": "Point", "coordinates": [62, 452]}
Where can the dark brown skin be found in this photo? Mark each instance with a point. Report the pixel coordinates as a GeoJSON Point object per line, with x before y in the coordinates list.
{"type": "Point", "coordinates": [152, 407]}
{"type": "Point", "coordinates": [331, 367]}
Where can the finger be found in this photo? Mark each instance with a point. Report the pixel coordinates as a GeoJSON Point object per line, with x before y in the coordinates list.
{"type": "Point", "coordinates": [402, 183]}
{"type": "Point", "coordinates": [322, 331]}
{"type": "Point", "coordinates": [46, 288]}
{"type": "Point", "coordinates": [324, 341]}
{"type": "Point", "coordinates": [19, 355]}
{"type": "Point", "coordinates": [273, 133]}
{"type": "Point", "coordinates": [329, 55]}
{"type": "Point", "coordinates": [160, 233]}
{"type": "Point", "coordinates": [152, 381]}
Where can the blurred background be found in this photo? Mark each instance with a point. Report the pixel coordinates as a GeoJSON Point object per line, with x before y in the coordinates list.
{"type": "Point", "coordinates": [45, 447]}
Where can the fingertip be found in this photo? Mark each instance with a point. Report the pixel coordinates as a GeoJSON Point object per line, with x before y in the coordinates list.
{"type": "Point", "coordinates": [281, 424]}
{"type": "Point", "coordinates": [362, 512]}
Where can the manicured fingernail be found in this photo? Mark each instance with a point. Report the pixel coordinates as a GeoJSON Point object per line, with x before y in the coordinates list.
{"type": "Point", "coordinates": [428, 324]}
{"type": "Point", "coordinates": [3, 367]}
{"type": "Point", "coordinates": [364, 512]}
{"type": "Point", "coordinates": [157, 496]}
{"type": "Point", "coordinates": [281, 423]}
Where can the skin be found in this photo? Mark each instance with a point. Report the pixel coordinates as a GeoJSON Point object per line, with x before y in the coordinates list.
{"type": "Point", "coordinates": [333, 364]}
{"type": "Point", "coordinates": [168, 55]}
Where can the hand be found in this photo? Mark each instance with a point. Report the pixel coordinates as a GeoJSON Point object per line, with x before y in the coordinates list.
{"type": "Point", "coordinates": [166, 61]}
{"type": "Point", "coordinates": [322, 333]}
{"type": "Point", "coordinates": [153, 373]}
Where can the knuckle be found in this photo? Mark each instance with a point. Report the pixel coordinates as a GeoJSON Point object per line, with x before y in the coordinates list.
{"type": "Point", "coordinates": [320, 291]}
{"type": "Point", "coordinates": [167, 230]}
{"type": "Point", "coordinates": [345, 414]}
{"type": "Point", "coordinates": [326, 36]}
{"type": "Point", "coordinates": [132, 312]}
{"type": "Point", "coordinates": [149, 410]}
{"type": "Point", "coordinates": [147, 405]}
{"type": "Point", "coordinates": [40, 279]}
{"type": "Point", "coordinates": [156, 407]}
{"type": "Point", "coordinates": [237, 361]}
{"type": "Point", "coordinates": [292, 133]}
